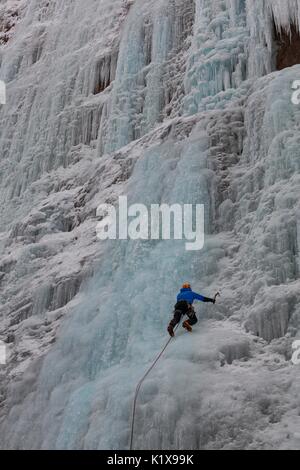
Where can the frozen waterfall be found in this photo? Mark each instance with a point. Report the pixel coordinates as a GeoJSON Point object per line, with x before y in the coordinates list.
{"type": "Point", "coordinates": [166, 101]}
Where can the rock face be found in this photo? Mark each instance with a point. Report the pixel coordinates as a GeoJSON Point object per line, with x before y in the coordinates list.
{"type": "Point", "coordinates": [166, 101]}
{"type": "Point", "coordinates": [288, 48]}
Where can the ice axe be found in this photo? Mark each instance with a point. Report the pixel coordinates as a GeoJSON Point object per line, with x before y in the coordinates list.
{"type": "Point", "coordinates": [217, 295]}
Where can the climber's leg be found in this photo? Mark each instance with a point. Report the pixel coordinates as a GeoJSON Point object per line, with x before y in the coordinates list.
{"type": "Point", "coordinates": [175, 320]}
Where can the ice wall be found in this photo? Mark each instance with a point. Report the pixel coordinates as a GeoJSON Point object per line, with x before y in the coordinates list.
{"type": "Point", "coordinates": [53, 72]}
{"type": "Point", "coordinates": [228, 42]}
{"type": "Point", "coordinates": [165, 101]}
{"type": "Point", "coordinates": [146, 89]}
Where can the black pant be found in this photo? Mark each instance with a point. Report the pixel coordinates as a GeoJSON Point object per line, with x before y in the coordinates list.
{"type": "Point", "coordinates": [178, 314]}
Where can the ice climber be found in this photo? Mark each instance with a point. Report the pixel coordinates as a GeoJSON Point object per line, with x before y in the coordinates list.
{"type": "Point", "coordinates": [184, 306]}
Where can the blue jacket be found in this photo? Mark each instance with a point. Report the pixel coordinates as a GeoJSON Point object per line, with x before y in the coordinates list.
{"type": "Point", "coordinates": [189, 296]}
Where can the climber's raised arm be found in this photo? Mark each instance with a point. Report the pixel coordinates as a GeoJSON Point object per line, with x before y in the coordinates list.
{"type": "Point", "coordinates": [203, 299]}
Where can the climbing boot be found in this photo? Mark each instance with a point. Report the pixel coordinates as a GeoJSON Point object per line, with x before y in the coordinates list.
{"type": "Point", "coordinates": [171, 331]}
{"type": "Point", "coordinates": [187, 326]}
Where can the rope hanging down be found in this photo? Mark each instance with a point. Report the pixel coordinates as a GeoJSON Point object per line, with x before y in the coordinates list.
{"type": "Point", "coordinates": [139, 386]}
{"type": "Point", "coordinates": [142, 380]}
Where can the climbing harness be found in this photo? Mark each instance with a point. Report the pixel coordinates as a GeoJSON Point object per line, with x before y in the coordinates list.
{"type": "Point", "coordinates": [139, 386]}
